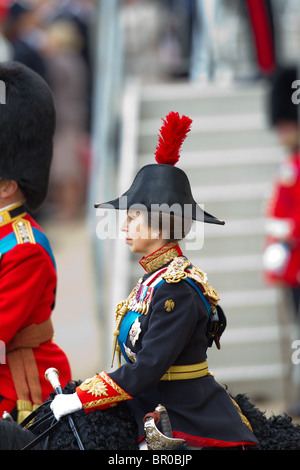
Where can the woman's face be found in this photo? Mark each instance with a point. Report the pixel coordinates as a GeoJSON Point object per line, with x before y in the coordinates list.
{"type": "Point", "coordinates": [139, 236]}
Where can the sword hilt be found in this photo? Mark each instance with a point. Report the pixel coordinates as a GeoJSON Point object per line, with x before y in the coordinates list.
{"type": "Point", "coordinates": [52, 375]}
{"type": "Point", "coordinates": [165, 421]}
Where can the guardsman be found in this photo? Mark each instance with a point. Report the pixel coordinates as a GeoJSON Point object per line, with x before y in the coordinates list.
{"type": "Point", "coordinates": [164, 327]}
{"type": "Point", "coordinates": [282, 253]}
{"type": "Point", "coordinates": [27, 266]}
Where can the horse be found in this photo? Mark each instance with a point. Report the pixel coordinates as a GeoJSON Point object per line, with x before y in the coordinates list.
{"type": "Point", "coordinates": [115, 429]}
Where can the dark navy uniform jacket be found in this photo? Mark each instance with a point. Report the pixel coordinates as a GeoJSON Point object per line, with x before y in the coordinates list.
{"type": "Point", "coordinates": [172, 330]}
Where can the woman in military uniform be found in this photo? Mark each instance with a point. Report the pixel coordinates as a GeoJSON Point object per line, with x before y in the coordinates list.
{"type": "Point", "coordinates": [171, 317]}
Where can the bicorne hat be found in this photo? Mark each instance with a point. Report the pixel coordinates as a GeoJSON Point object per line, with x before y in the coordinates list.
{"type": "Point", "coordinates": [161, 186]}
{"type": "Point", "coordinates": [27, 123]}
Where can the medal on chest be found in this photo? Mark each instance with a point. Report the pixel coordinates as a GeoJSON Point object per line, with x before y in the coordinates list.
{"type": "Point", "coordinates": [141, 300]}
{"type": "Point", "coordinates": [127, 314]}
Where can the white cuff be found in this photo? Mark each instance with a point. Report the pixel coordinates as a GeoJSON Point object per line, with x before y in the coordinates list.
{"type": "Point", "coordinates": [65, 404]}
{"type": "Point", "coordinates": [279, 228]}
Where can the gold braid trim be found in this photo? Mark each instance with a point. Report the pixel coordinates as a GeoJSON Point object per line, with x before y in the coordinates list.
{"type": "Point", "coordinates": [5, 215]}
{"type": "Point", "coordinates": [160, 257]}
{"type": "Point", "coordinates": [90, 384]}
{"type": "Point", "coordinates": [23, 231]}
{"type": "Point", "coordinates": [161, 261]}
{"type": "Point", "coordinates": [201, 278]}
{"type": "Point", "coordinates": [180, 269]}
{"type": "Point", "coordinates": [243, 417]}
{"type": "Point", "coordinates": [176, 270]}
{"type": "Point", "coordinates": [121, 310]}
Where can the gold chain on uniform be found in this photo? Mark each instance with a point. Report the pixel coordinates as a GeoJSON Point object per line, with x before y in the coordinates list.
{"type": "Point", "coordinates": [121, 310]}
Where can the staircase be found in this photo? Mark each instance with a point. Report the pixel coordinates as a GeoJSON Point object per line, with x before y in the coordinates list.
{"type": "Point", "coordinates": [230, 157]}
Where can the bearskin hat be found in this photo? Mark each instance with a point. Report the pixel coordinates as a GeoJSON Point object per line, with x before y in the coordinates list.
{"type": "Point", "coordinates": [27, 123]}
{"type": "Point", "coordinates": [281, 106]}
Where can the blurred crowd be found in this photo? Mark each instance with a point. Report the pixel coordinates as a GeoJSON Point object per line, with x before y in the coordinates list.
{"type": "Point", "coordinates": [52, 38]}
{"type": "Point", "coordinates": [201, 40]}
{"type": "Point", "coordinates": [173, 39]}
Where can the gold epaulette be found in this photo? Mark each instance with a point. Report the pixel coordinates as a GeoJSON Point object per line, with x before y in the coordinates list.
{"type": "Point", "coordinates": [23, 231]}
{"type": "Point", "coordinates": [181, 268]}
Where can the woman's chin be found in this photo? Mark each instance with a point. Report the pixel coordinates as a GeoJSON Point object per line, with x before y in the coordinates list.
{"type": "Point", "coordinates": [129, 243]}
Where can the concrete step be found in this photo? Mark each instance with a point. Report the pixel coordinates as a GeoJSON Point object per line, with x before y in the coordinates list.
{"type": "Point", "coordinates": [225, 157]}
{"type": "Point", "coordinates": [260, 381]}
{"type": "Point", "coordinates": [233, 201]}
{"type": "Point", "coordinates": [237, 245]}
{"type": "Point", "coordinates": [226, 166]}
{"type": "Point", "coordinates": [226, 137]}
{"type": "Point", "coordinates": [235, 209]}
{"type": "Point", "coordinates": [248, 346]}
{"type": "Point", "coordinates": [244, 191]}
{"type": "Point", "coordinates": [236, 237]}
{"type": "Point", "coordinates": [250, 308]}
{"type": "Point", "coordinates": [205, 124]}
{"type": "Point", "coordinates": [239, 280]}
{"type": "Point", "coordinates": [251, 359]}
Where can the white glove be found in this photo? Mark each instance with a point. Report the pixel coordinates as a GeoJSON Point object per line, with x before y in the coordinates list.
{"type": "Point", "coordinates": [64, 404]}
{"type": "Point", "coordinates": [278, 228]}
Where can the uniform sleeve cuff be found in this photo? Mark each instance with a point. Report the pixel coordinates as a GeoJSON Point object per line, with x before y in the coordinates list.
{"type": "Point", "coordinates": [100, 392]}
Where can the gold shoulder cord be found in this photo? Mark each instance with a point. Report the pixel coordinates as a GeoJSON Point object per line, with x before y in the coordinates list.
{"type": "Point", "coordinates": [121, 310]}
{"type": "Point", "coordinates": [180, 268]}
{"type": "Point", "coordinates": [176, 270]}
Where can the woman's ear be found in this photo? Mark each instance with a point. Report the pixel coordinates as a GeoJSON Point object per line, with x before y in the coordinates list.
{"type": "Point", "coordinates": [155, 234]}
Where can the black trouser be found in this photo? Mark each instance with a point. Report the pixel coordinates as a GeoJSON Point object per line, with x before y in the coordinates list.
{"type": "Point", "coordinates": [295, 293]}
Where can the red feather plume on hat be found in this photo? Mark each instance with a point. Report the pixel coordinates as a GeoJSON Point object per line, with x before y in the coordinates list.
{"type": "Point", "coordinates": [172, 135]}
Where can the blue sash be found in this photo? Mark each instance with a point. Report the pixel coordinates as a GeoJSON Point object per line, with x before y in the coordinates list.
{"type": "Point", "coordinates": [129, 319]}
{"type": "Point", "coordinates": [131, 316]}
{"type": "Point", "coordinates": [10, 241]}
{"type": "Point", "coordinates": [194, 284]}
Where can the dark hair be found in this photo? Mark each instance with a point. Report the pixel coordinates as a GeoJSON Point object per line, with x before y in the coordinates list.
{"type": "Point", "coordinates": [175, 227]}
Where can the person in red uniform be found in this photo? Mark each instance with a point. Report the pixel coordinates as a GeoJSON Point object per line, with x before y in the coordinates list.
{"type": "Point", "coordinates": [165, 326]}
{"type": "Point", "coordinates": [282, 254]}
{"type": "Point", "coordinates": [282, 251]}
{"type": "Point", "coordinates": [27, 266]}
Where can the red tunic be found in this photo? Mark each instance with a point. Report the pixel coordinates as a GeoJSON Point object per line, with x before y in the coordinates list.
{"type": "Point", "coordinates": [27, 293]}
{"type": "Point", "coordinates": [283, 213]}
